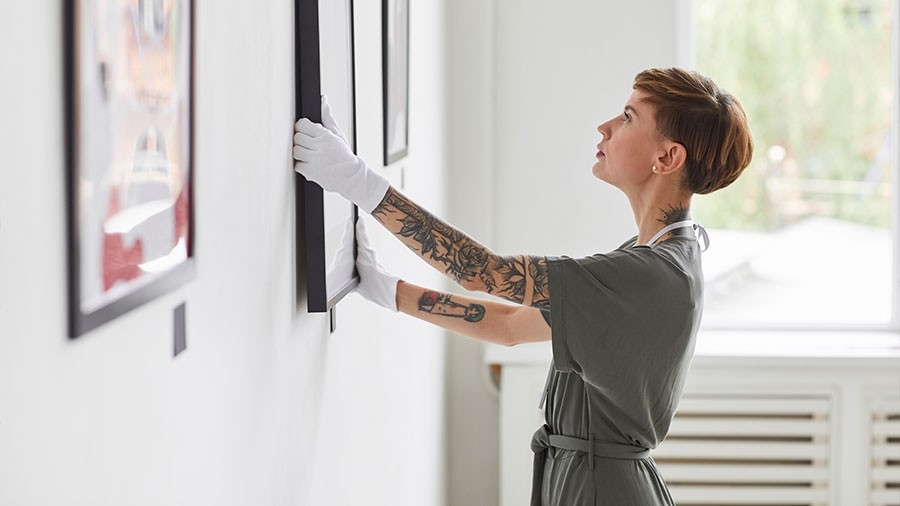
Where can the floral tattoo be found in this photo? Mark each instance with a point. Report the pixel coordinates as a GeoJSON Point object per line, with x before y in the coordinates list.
{"type": "Point", "coordinates": [522, 278]}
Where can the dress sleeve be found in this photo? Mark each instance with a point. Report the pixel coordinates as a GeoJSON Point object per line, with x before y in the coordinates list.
{"type": "Point", "coordinates": [607, 311]}
{"type": "Point", "coordinates": [569, 282]}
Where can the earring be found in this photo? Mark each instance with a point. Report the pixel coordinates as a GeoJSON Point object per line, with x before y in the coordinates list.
{"type": "Point", "coordinates": [655, 169]}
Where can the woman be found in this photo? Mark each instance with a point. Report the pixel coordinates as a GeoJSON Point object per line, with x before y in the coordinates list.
{"type": "Point", "coordinates": [622, 324]}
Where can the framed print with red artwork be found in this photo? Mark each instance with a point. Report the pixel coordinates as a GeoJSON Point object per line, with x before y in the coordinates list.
{"type": "Point", "coordinates": [129, 121]}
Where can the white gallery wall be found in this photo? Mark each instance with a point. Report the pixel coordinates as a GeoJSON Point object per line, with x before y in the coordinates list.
{"type": "Point", "coordinates": [264, 407]}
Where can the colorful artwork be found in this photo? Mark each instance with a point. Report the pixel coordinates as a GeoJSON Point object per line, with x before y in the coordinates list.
{"type": "Point", "coordinates": [129, 144]}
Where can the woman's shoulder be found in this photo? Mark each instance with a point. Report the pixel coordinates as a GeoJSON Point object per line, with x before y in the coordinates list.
{"type": "Point", "coordinates": [678, 257]}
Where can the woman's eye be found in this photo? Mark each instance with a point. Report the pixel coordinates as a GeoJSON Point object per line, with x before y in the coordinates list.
{"type": "Point", "coordinates": [626, 117]}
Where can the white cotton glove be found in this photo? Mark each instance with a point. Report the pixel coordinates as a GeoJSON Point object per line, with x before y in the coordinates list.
{"type": "Point", "coordinates": [324, 157]}
{"type": "Point", "coordinates": [375, 284]}
{"type": "Point", "coordinates": [342, 264]}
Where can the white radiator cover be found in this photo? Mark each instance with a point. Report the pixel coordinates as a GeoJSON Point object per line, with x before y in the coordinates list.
{"type": "Point", "coordinates": [749, 448]}
{"type": "Point", "coordinates": [884, 447]}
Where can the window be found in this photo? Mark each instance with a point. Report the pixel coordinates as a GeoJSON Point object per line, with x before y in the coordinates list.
{"type": "Point", "coordinates": [808, 236]}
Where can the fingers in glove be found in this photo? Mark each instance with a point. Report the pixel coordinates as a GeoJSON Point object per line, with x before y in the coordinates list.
{"type": "Point", "coordinates": [313, 135]}
{"type": "Point", "coordinates": [304, 141]}
{"type": "Point", "coordinates": [308, 170]}
{"type": "Point", "coordinates": [302, 153]}
{"type": "Point", "coordinates": [310, 128]}
{"type": "Point", "coordinates": [328, 120]}
{"type": "Point", "coordinates": [306, 138]}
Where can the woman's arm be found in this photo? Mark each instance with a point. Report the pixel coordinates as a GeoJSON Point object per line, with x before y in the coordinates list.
{"type": "Point", "coordinates": [521, 279]}
{"type": "Point", "coordinates": [494, 322]}
{"type": "Point", "coordinates": [324, 157]}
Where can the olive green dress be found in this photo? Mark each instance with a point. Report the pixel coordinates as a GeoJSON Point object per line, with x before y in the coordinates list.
{"type": "Point", "coordinates": [623, 326]}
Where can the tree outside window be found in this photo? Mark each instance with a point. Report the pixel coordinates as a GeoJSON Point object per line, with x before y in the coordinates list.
{"type": "Point", "coordinates": [806, 233]}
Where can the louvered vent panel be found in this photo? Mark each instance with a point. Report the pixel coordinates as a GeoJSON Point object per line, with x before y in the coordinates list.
{"type": "Point", "coordinates": [748, 450]}
{"type": "Point", "coordinates": [885, 452]}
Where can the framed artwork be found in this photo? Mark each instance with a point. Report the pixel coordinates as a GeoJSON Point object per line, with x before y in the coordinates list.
{"type": "Point", "coordinates": [395, 58]}
{"type": "Point", "coordinates": [129, 123]}
{"type": "Point", "coordinates": [325, 65]}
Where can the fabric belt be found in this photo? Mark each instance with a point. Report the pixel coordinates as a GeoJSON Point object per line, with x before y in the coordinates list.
{"type": "Point", "coordinates": [543, 439]}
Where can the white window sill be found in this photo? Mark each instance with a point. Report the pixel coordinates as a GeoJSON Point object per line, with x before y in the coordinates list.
{"type": "Point", "coordinates": [836, 347]}
{"type": "Point", "coordinates": [798, 343]}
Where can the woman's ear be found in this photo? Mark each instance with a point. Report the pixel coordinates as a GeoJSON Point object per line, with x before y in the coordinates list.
{"type": "Point", "coordinates": [673, 159]}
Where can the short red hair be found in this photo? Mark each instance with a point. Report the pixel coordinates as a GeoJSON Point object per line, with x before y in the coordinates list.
{"type": "Point", "coordinates": [708, 121]}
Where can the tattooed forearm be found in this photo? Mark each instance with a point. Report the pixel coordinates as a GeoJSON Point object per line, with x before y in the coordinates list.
{"type": "Point", "coordinates": [461, 258]}
{"type": "Point", "coordinates": [511, 271]}
{"type": "Point", "coordinates": [521, 279]}
{"type": "Point", "coordinates": [541, 292]}
{"type": "Point", "coordinates": [442, 304]}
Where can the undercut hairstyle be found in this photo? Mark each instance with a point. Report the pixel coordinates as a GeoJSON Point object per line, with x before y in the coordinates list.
{"type": "Point", "coordinates": [708, 121]}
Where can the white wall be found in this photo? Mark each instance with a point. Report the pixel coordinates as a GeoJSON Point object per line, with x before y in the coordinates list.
{"type": "Point", "coordinates": [264, 406]}
{"type": "Point", "coordinates": [529, 82]}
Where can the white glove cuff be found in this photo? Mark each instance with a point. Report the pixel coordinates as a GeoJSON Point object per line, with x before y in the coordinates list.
{"type": "Point", "coordinates": [384, 292]}
{"type": "Point", "coordinates": [366, 188]}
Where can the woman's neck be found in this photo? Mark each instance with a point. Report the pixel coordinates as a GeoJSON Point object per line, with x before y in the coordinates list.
{"type": "Point", "coordinates": [654, 215]}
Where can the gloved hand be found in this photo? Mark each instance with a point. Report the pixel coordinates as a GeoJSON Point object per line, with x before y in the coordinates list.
{"type": "Point", "coordinates": [324, 157]}
{"type": "Point", "coordinates": [375, 284]}
{"type": "Point", "coordinates": [342, 263]}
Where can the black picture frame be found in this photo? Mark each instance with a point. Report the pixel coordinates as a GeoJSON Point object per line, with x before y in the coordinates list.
{"type": "Point", "coordinates": [129, 119]}
{"type": "Point", "coordinates": [395, 75]}
{"type": "Point", "coordinates": [325, 221]}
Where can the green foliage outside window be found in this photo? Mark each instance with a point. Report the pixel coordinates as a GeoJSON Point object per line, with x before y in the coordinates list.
{"type": "Point", "coordinates": [815, 78]}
